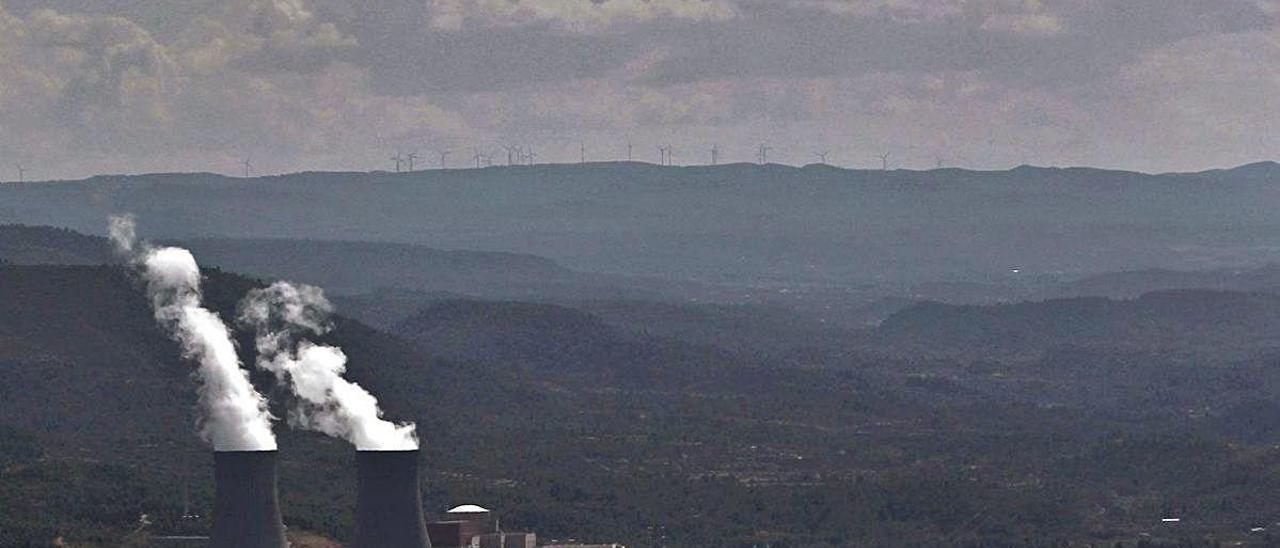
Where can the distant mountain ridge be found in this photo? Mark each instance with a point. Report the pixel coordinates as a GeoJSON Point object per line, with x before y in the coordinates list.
{"type": "Point", "coordinates": [1249, 168]}
{"type": "Point", "coordinates": [551, 338]}
{"type": "Point", "coordinates": [1256, 170]}
{"type": "Point", "coordinates": [769, 225]}
{"type": "Point", "coordinates": [1129, 284]}
{"type": "Point", "coordinates": [1208, 325]}
{"type": "Point", "coordinates": [352, 267]}
{"type": "Point", "coordinates": [363, 266]}
{"type": "Point", "coordinates": [22, 244]}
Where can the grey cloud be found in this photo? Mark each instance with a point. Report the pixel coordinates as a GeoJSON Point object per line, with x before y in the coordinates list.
{"type": "Point", "coordinates": [152, 84]}
{"type": "Point", "coordinates": [796, 39]}
{"type": "Point", "coordinates": [808, 41]}
{"type": "Point", "coordinates": [449, 61]}
{"type": "Point", "coordinates": [576, 16]}
{"type": "Point", "coordinates": [117, 59]}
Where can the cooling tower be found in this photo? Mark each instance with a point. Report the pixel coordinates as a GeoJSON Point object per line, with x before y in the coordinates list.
{"type": "Point", "coordinates": [388, 503]}
{"type": "Point", "coordinates": [246, 513]}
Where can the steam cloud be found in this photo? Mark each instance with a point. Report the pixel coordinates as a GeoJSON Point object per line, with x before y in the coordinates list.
{"type": "Point", "coordinates": [281, 315]}
{"type": "Point", "coordinates": [233, 416]}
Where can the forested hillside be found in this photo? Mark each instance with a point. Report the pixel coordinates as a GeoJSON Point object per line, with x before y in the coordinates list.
{"type": "Point", "coordinates": [1041, 423]}
{"type": "Point", "coordinates": [1212, 326]}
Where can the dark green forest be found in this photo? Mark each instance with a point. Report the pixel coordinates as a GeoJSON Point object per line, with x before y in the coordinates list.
{"type": "Point", "coordinates": [1067, 422]}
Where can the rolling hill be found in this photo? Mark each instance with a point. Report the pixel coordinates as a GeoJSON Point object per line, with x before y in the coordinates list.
{"type": "Point", "coordinates": [1211, 326]}
{"type": "Point", "coordinates": [769, 225]}
{"type": "Point", "coordinates": [588, 420]}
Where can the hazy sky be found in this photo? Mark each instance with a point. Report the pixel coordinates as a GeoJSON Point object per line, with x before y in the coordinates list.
{"type": "Point", "coordinates": [94, 86]}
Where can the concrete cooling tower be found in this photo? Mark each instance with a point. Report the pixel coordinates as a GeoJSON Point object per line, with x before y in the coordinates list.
{"type": "Point", "coordinates": [246, 512]}
{"type": "Point", "coordinates": [388, 502]}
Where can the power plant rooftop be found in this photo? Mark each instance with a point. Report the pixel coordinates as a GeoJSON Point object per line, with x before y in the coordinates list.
{"type": "Point", "coordinates": [468, 509]}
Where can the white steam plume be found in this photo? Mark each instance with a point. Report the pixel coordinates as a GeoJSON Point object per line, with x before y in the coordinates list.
{"type": "Point", "coordinates": [283, 313]}
{"type": "Point", "coordinates": [233, 416]}
{"type": "Point", "coordinates": [124, 233]}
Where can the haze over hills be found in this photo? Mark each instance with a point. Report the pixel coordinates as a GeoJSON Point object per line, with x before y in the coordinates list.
{"type": "Point", "coordinates": [768, 225]}
{"type": "Point", "coordinates": [1185, 325]}
{"type": "Point", "coordinates": [588, 418]}
{"type": "Point", "coordinates": [577, 419]}
{"type": "Point", "coordinates": [345, 267]}
{"type": "Point", "coordinates": [567, 311]}
{"type": "Point", "coordinates": [742, 345]}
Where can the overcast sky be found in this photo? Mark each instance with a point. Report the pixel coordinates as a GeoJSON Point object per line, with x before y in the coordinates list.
{"type": "Point", "coordinates": [126, 86]}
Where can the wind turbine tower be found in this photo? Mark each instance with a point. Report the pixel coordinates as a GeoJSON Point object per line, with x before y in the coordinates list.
{"type": "Point", "coordinates": [412, 156]}
{"type": "Point", "coordinates": [247, 166]}
{"type": "Point", "coordinates": [398, 159]}
{"type": "Point", "coordinates": [715, 155]}
{"type": "Point", "coordinates": [22, 173]}
{"type": "Point", "coordinates": [884, 161]}
{"type": "Point", "coordinates": [662, 155]}
{"type": "Point", "coordinates": [444, 155]}
{"type": "Point", "coordinates": [763, 155]}
{"type": "Point", "coordinates": [582, 150]}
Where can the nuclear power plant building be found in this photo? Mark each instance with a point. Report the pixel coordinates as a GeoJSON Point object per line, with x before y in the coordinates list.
{"type": "Point", "coordinates": [388, 511]}
{"type": "Point", "coordinates": [473, 526]}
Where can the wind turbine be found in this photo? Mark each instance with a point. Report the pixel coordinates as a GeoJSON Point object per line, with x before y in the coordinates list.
{"type": "Point", "coordinates": [822, 156]}
{"type": "Point", "coordinates": [247, 166]}
{"type": "Point", "coordinates": [444, 155]}
{"type": "Point", "coordinates": [763, 155]}
{"type": "Point", "coordinates": [412, 156]}
{"type": "Point", "coordinates": [884, 161]}
{"type": "Point", "coordinates": [715, 154]}
{"type": "Point", "coordinates": [582, 148]}
{"type": "Point", "coordinates": [398, 159]}
{"type": "Point", "coordinates": [628, 151]}
{"type": "Point", "coordinates": [671, 155]}
{"type": "Point", "coordinates": [662, 155]}
{"type": "Point", "coordinates": [22, 173]}
{"type": "Point", "coordinates": [477, 156]}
